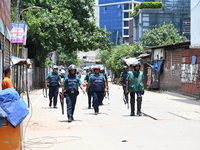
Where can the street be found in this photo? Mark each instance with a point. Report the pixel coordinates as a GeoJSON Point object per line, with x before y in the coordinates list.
{"type": "Point", "coordinates": [170, 121]}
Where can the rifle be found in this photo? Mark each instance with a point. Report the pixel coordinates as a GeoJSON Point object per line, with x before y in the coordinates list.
{"type": "Point", "coordinates": [125, 101]}
{"type": "Point", "coordinates": [106, 95]}
{"type": "Point", "coordinates": [61, 102]}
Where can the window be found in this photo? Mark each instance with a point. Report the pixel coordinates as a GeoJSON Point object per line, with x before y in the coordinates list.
{"type": "Point", "coordinates": [126, 24]}
{"type": "Point", "coordinates": [126, 32]}
{"type": "Point", "coordinates": [126, 15]}
{"type": "Point", "coordinates": [130, 6]}
{"type": "Point", "coordinates": [126, 6]}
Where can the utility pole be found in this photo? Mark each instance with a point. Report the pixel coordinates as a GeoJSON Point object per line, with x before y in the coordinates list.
{"type": "Point", "coordinates": [18, 11]}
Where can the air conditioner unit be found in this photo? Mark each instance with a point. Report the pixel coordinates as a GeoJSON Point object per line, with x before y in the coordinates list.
{"type": "Point", "coordinates": [159, 54]}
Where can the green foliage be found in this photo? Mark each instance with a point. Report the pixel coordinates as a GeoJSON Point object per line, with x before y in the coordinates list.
{"type": "Point", "coordinates": [70, 58]}
{"type": "Point", "coordinates": [61, 23]}
{"type": "Point", "coordinates": [113, 59]}
{"type": "Point", "coordinates": [161, 35]}
{"type": "Point", "coordinates": [146, 5]}
{"type": "Point", "coordinates": [48, 63]}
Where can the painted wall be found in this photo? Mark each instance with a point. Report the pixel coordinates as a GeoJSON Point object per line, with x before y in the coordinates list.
{"type": "Point", "coordinates": [190, 73]}
{"type": "Point", "coordinates": [195, 26]}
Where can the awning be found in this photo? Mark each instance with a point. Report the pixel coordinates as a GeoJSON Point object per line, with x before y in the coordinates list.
{"type": "Point", "coordinates": [143, 55]}
{"type": "Point", "coordinates": [20, 61]}
{"type": "Point", "coordinates": [130, 61]}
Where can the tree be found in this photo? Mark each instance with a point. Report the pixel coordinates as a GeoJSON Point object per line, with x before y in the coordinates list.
{"type": "Point", "coordinates": [161, 35]}
{"type": "Point", "coordinates": [61, 23]}
{"type": "Point", "coordinates": [113, 59]}
{"type": "Point", "coordinates": [70, 58]}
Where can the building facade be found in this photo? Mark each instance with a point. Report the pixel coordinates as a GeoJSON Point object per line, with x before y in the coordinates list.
{"type": "Point", "coordinates": [114, 16]}
{"type": "Point", "coordinates": [195, 28]}
{"type": "Point", "coordinates": [174, 11]}
{"type": "Point", "coordinates": [4, 36]}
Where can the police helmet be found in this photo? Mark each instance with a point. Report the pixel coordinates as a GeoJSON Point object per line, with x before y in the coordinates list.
{"type": "Point", "coordinates": [71, 67]}
{"type": "Point", "coordinates": [96, 68]}
{"type": "Point", "coordinates": [55, 67]}
{"type": "Point", "coordinates": [136, 63]}
{"type": "Point", "coordinates": [125, 67]}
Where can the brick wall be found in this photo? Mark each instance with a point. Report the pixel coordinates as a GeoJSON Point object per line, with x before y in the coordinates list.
{"type": "Point", "coordinates": [170, 78]}
{"type": "Point", "coordinates": [191, 72]}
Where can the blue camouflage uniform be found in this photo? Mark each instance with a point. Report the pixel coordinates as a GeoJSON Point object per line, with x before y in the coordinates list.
{"type": "Point", "coordinates": [106, 79]}
{"type": "Point", "coordinates": [98, 88]}
{"type": "Point", "coordinates": [72, 83]}
{"type": "Point", "coordinates": [54, 79]}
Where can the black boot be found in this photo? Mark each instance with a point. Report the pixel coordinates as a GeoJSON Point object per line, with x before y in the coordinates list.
{"type": "Point", "coordinates": [132, 107]}
{"type": "Point", "coordinates": [139, 103]}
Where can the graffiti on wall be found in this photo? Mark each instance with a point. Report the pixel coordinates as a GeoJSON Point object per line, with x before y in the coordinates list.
{"type": "Point", "coordinates": [189, 73]}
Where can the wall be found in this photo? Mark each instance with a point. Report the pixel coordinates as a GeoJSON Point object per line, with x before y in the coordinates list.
{"type": "Point", "coordinates": [190, 72]}
{"type": "Point", "coordinates": [170, 77]}
{"type": "Point", "coordinates": [195, 27]}
{"type": "Point", "coordinates": [4, 36]}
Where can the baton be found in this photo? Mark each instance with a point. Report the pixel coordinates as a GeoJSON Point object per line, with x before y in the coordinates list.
{"type": "Point", "coordinates": [61, 102]}
{"type": "Point", "coordinates": [45, 92]}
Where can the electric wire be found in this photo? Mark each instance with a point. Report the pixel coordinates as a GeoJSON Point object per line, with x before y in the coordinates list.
{"type": "Point", "coordinates": [45, 141]}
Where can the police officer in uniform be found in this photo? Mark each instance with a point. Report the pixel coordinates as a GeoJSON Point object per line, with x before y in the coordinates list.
{"type": "Point", "coordinates": [102, 72]}
{"type": "Point", "coordinates": [89, 92]}
{"type": "Point", "coordinates": [135, 85]}
{"type": "Point", "coordinates": [99, 86]}
{"type": "Point", "coordinates": [123, 77]}
{"type": "Point", "coordinates": [53, 79]}
{"type": "Point", "coordinates": [70, 90]}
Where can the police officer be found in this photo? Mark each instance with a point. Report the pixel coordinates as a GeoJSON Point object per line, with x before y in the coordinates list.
{"type": "Point", "coordinates": [135, 85]}
{"type": "Point", "coordinates": [99, 86]}
{"type": "Point", "coordinates": [70, 90]}
{"type": "Point", "coordinates": [53, 79]}
{"type": "Point", "coordinates": [122, 79]}
{"type": "Point", "coordinates": [89, 92]}
{"type": "Point", "coordinates": [102, 72]}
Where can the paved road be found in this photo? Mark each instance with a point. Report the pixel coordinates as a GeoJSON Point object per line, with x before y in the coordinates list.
{"type": "Point", "coordinates": [170, 122]}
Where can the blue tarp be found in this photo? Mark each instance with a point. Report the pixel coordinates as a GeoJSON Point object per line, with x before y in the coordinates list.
{"type": "Point", "coordinates": [12, 106]}
{"type": "Point", "coordinates": [157, 66]}
{"type": "Point", "coordinates": [194, 58]}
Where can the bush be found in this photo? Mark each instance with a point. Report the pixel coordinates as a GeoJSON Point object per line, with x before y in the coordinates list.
{"type": "Point", "coordinates": [146, 5]}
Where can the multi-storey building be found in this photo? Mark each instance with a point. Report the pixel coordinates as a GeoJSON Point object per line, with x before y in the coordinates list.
{"type": "Point", "coordinates": [174, 11]}
{"type": "Point", "coordinates": [114, 16]}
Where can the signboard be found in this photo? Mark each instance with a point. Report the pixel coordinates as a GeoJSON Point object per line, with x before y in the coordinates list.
{"type": "Point", "coordinates": [18, 33]}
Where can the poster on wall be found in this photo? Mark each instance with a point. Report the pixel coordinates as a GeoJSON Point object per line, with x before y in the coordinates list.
{"type": "Point", "coordinates": [18, 33]}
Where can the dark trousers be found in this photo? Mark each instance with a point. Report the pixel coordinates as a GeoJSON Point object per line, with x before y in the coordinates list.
{"type": "Point", "coordinates": [97, 97]}
{"type": "Point", "coordinates": [139, 101]}
{"type": "Point", "coordinates": [53, 94]}
{"type": "Point", "coordinates": [71, 102]}
{"type": "Point", "coordinates": [89, 93]}
{"type": "Point", "coordinates": [125, 94]}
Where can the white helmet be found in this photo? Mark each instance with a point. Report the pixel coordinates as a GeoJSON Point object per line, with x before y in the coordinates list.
{"type": "Point", "coordinates": [55, 67]}
{"type": "Point", "coordinates": [135, 63]}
